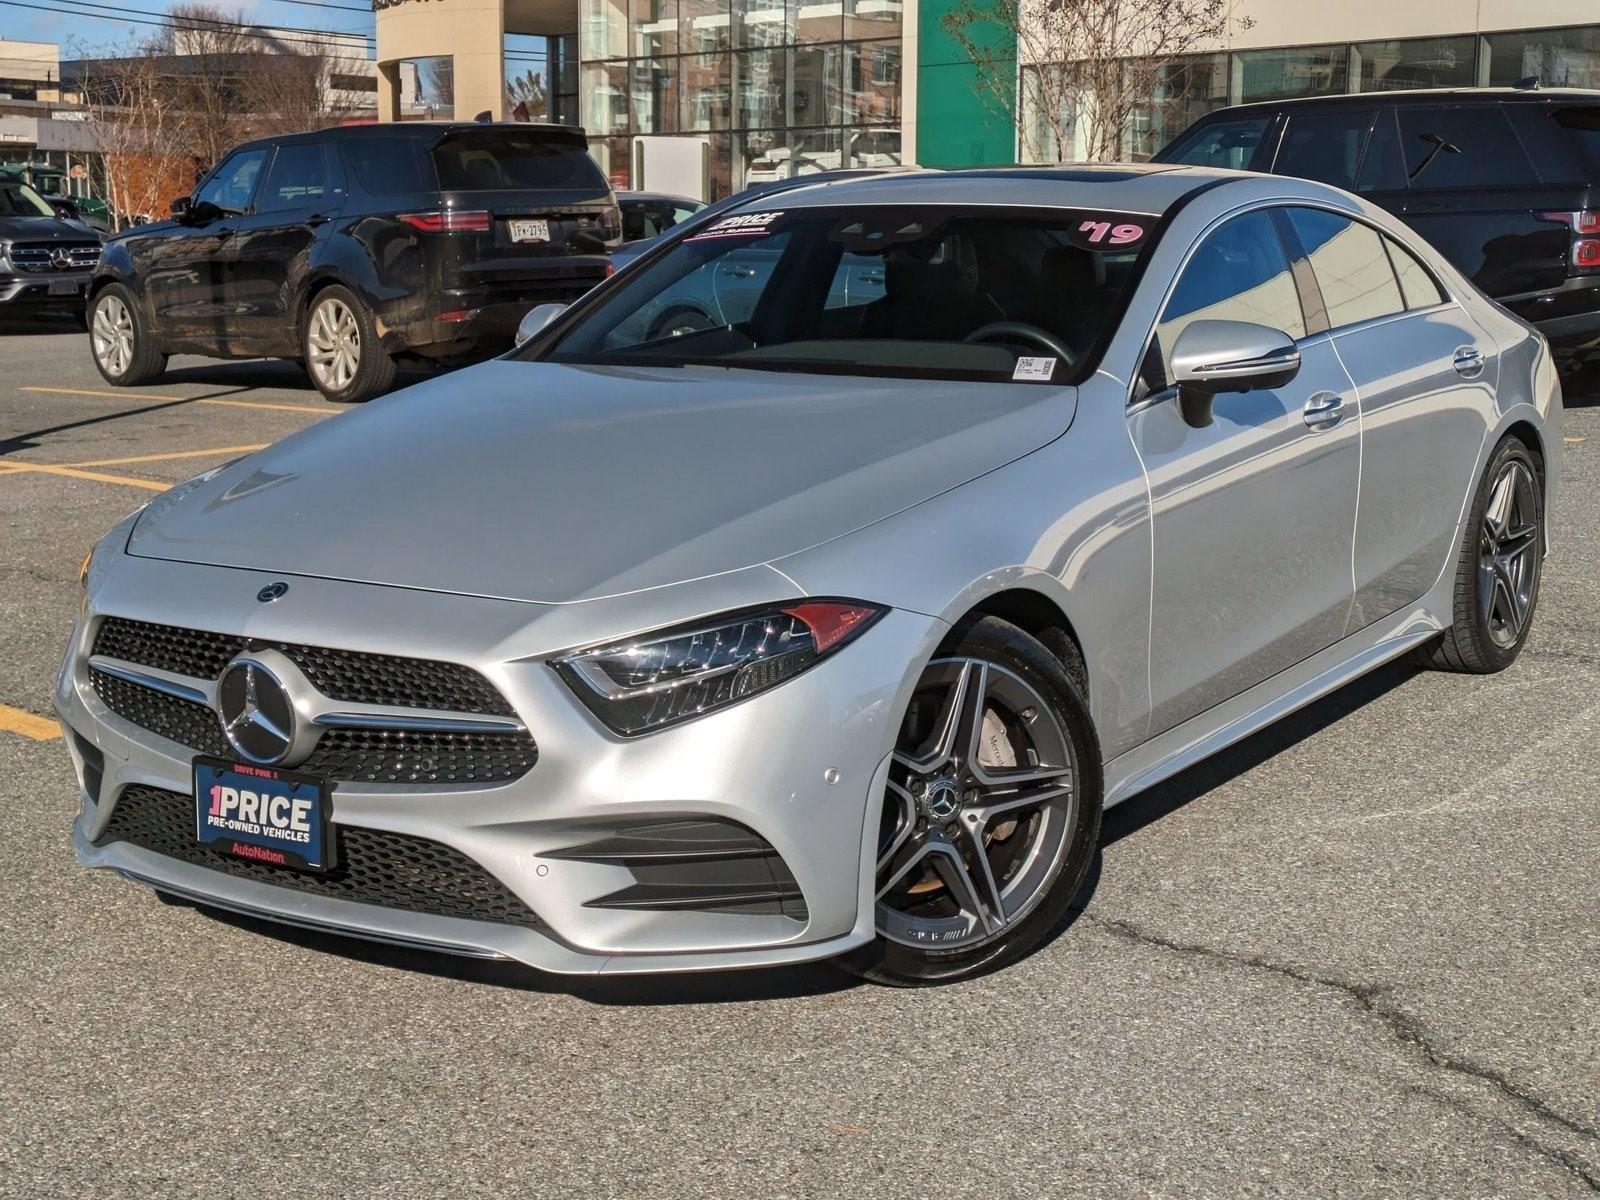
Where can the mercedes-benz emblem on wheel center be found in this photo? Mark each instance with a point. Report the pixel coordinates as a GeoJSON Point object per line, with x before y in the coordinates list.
{"type": "Point", "coordinates": [257, 714]}
{"type": "Point", "coordinates": [272, 591]}
{"type": "Point", "coordinates": [943, 798]}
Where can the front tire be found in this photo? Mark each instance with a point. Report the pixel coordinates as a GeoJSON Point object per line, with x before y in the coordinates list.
{"type": "Point", "coordinates": [343, 353]}
{"type": "Point", "coordinates": [124, 347]}
{"type": "Point", "coordinates": [992, 813]}
{"type": "Point", "coordinates": [1498, 568]}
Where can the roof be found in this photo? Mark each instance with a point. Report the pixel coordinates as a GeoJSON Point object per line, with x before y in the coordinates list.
{"type": "Point", "coordinates": [1116, 187]}
{"type": "Point", "coordinates": [1472, 95]}
{"type": "Point", "coordinates": [436, 129]}
{"type": "Point", "coordinates": [669, 197]}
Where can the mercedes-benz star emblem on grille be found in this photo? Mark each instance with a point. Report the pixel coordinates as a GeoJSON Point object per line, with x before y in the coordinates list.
{"type": "Point", "coordinates": [61, 258]}
{"type": "Point", "coordinates": [257, 714]}
{"type": "Point", "coordinates": [271, 592]}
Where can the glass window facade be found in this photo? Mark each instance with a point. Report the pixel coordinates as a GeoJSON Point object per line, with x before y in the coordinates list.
{"type": "Point", "coordinates": [774, 87]}
{"type": "Point", "coordinates": [1191, 87]}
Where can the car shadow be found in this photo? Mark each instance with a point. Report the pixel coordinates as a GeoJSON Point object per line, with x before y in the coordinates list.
{"type": "Point", "coordinates": [1581, 389]}
{"type": "Point", "coordinates": [819, 979]}
{"type": "Point", "coordinates": [41, 323]}
{"type": "Point", "coordinates": [279, 373]}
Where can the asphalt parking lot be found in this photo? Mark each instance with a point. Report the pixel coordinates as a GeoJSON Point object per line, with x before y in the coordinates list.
{"type": "Point", "coordinates": [1357, 955]}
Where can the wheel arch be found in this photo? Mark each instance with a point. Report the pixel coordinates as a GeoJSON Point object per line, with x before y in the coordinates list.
{"type": "Point", "coordinates": [1040, 617]}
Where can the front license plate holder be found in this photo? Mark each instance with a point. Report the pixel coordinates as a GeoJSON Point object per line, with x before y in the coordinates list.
{"type": "Point", "coordinates": [527, 230]}
{"type": "Point", "coordinates": [263, 814]}
{"type": "Point", "coordinates": [66, 287]}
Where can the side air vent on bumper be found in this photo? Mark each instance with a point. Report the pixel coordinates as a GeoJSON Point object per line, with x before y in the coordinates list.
{"type": "Point", "coordinates": [374, 866]}
{"type": "Point", "coordinates": [699, 865]}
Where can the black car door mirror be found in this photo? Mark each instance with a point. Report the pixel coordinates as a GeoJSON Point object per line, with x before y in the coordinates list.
{"type": "Point", "coordinates": [180, 207]}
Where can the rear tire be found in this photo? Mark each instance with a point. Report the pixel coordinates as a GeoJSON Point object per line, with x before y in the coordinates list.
{"type": "Point", "coordinates": [342, 351]}
{"type": "Point", "coordinates": [992, 815]}
{"type": "Point", "coordinates": [1498, 568]}
{"type": "Point", "coordinates": [122, 344]}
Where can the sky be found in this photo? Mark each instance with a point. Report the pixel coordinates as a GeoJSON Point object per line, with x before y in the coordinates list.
{"type": "Point", "coordinates": [98, 28]}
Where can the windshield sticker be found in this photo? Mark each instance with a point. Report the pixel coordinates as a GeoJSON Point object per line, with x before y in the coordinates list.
{"type": "Point", "coordinates": [742, 225]}
{"type": "Point", "coordinates": [1107, 231]}
{"type": "Point", "coordinates": [1034, 368]}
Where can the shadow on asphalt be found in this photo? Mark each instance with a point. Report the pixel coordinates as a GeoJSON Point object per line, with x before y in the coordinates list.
{"type": "Point", "coordinates": [30, 440]}
{"type": "Point", "coordinates": [1581, 389]}
{"type": "Point", "coordinates": [815, 979]}
{"type": "Point", "coordinates": [46, 323]}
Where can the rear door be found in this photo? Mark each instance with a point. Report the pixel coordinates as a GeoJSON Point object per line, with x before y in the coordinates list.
{"type": "Point", "coordinates": [1424, 374]}
{"type": "Point", "coordinates": [272, 244]}
{"type": "Point", "coordinates": [1476, 196]}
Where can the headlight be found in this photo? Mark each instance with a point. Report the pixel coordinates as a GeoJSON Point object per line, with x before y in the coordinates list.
{"type": "Point", "coordinates": [662, 678]}
{"type": "Point", "coordinates": [83, 571]}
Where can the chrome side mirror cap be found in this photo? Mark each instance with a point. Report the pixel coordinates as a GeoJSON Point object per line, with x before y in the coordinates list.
{"type": "Point", "coordinates": [536, 318]}
{"type": "Point", "coordinates": [1212, 357]}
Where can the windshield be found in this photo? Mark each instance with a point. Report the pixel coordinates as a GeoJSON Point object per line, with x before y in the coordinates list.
{"type": "Point", "coordinates": [20, 200]}
{"type": "Point", "coordinates": [908, 291]}
{"type": "Point", "coordinates": [505, 160]}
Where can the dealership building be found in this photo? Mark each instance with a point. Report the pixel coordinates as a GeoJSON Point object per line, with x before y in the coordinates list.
{"type": "Point", "coordinates": [707, 96]}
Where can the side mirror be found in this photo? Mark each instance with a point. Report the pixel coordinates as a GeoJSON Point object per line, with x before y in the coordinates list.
{"type": "Point", "coordinates": [536, 318]}
{"type": "Point", "coordinates": [180, 207]}
{"type": "Point", "coordinates": [1211, 357]}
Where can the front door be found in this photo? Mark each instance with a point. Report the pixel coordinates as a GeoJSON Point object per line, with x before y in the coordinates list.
{"type": "Point", "coordinates": [185, 266]}
{"type": "Point", "coordinates": [1252, 516]}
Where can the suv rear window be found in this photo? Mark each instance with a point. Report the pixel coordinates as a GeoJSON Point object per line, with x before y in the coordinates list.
{"type": "Point", "coordinates": [1466, 146]}
{"type": "Point", "coordinates": [1583, 125]}
{"type": "Point", "coordinates": [496, 160]}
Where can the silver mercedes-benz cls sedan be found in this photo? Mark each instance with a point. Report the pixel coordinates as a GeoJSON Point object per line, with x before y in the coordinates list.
{"type": "Point", "coordinates": [827, 629]}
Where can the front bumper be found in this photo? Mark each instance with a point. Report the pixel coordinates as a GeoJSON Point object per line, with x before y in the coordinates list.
{"type": "Point", "coordinates": [765, 764]}
{"type": "Point", "coordinates": [45, 290]}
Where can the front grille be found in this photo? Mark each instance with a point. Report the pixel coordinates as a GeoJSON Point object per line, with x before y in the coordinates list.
{"type": "Point", "coordinates": [352, 676]}
{"type": "Point", "coordinates": [391, 870]}
{"type": "Point", "coordinates": [341, 755]}
{"type": "Point", "coordinates": [41, 256]}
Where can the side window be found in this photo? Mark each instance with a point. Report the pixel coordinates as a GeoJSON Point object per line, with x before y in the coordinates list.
{"type": "Point", "coordinates": [1325, 146]}
{"type": "Point", "coordinates": [1220, 144]}
{"type": "Point", "coordinates": [1384, 168]}
{"type": "Point", "coordinates": [1239, 273]}
{"type": "Point", "coordinates": [298, 178]}
{"type": "Point", "coordinates": [1350, 265]}
{"type": "Point", "coordinates": [858, 280]}
{"type": "Point", "coordinates": [1468, 146]}
{"type": "Point", "coordinates": [233, 183]}
{"type": "Point", "coordinates": [387, 166]}
{"type": "Point", "coordinates": [1417, 284]}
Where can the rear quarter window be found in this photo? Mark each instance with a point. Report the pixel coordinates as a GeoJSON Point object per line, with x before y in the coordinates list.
{"type": "Point", "coordinates": [508, 160]}
{"type": "Point", "coordinates": [1464, 146]}
{"type": "Point", "coordinates": [388, 166]}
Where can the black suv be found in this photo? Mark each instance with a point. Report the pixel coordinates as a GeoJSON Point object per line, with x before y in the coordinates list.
{"type": "Point", "coordinates": [1504, 181]}
{"type": "Point", "coordinates": [349, 248]}
{"type": "Point", "coordinates": [45, 258]}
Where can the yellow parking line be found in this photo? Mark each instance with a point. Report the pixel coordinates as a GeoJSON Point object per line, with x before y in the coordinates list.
{"type": "Point", "coordinates": [130, 397]}
{"type": "Point", "coordinates": [154, 485]}
{"type": "Point", "coordinates": [1572, 441]}
{"type": "Point", "coordinates": [40, 729]}
{"type": "Point", "coordinates": [144, 458]}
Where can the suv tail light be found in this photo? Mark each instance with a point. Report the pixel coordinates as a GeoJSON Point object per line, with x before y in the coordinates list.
{"type": "Point", "coordinates": [1585, 228]}
{"type": "Point", "coordinates": [610, 222]}
{"type": "Point", "coordinates": [448, 220]}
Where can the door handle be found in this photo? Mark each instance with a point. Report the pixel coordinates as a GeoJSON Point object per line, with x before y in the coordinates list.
{"type": "Point", "coordinates": [1325, 410]}
{"type": "Point", "coordinates": [1468, 362]}
{"type": "Point", "coordinates": [317, 219]}
{"type": "Point", "coordinates": [739, 272]}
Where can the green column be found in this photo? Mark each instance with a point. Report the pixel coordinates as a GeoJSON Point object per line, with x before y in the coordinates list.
{"type": "Point", "coordinates": [955, 126]}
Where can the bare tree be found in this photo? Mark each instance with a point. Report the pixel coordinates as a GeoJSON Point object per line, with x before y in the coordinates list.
{"type": "Point", "coordinates": [130, 119]}
{"type": "Point", "coordinates": [1086, 66]}
{"type": "Point", "coordinates": [527, 97]}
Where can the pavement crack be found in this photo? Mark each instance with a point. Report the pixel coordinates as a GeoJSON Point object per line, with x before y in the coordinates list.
{"type": "Point", "coordinates": [1373, 1000]}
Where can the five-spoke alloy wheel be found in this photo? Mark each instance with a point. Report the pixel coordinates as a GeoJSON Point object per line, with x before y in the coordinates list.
{"type": "Point", "coordinates": [1497, 574]}
{"type": "Point", "coordinates": [991, 812]}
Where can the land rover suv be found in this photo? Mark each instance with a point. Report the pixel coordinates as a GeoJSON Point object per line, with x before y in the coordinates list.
{"type": "Point", "coordinates": [353, 249]}
{"type": "Point", "coordinates": [1504, 181]}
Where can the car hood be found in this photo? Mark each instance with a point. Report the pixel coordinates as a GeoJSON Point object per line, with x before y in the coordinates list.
{"type": "Point", "coordinates": [44, 229]}
{"type": "Point", "coordinates": [553, 483]}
